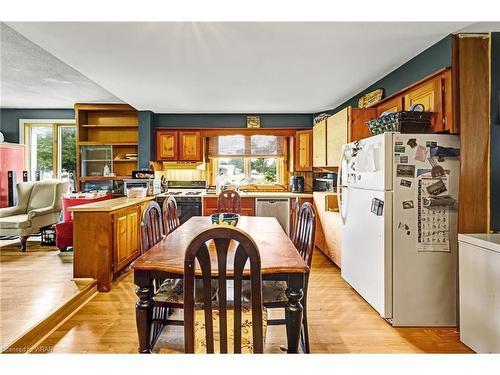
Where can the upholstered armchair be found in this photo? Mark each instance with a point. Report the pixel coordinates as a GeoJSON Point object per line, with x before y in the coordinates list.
{"type": "Point", "coordinates": [38, 205]}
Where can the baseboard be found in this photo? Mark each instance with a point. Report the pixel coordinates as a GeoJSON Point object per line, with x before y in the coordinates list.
{"type": "Point", "coordinates": [28, 341]}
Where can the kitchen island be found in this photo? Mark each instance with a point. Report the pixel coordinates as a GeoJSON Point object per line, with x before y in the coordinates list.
{"type": "Point", "coordinates": [106, 238]}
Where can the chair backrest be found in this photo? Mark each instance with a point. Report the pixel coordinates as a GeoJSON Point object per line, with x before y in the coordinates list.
{"type": "Point", "coordinates": [199, 250]}
{"type": "Point", "coordinates": [229, 201]}
{"type": "Point", "coordinates": [170, 216]}
{"type": "Point", "coordinates": [151, 226]}
{"type": "Point", "coordinates": [294, 212]}
{"type": "Point", "coordinates": [305, 232]}
{"type": "Point", "coordinates": [41, 194]}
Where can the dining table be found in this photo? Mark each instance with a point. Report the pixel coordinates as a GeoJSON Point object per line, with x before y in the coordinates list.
{"type": "Point", "coordinates": [280, 261]}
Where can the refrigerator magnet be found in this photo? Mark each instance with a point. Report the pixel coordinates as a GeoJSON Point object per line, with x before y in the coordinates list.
{"type": "Point", "coordinates": [431, 144]}
{"type": "Point", "coordinates": [403, 159]}
{"type": "Point", "coordinates": [377, 206]}
{"type": "Point", "coordinates": [399, 149]}
{"type": "Point", "coordinates": [407, 205]}
{"type": "Point", "coordinates": [412, 142]}
{"type": "Point", "coordinates": [420, 153]}
{"type": "Point", "coordinates": [405, 170]}
{"type": "Point", "coordinates": [437, 188]}
{"type": "Point", "coordinates": [405, 183]}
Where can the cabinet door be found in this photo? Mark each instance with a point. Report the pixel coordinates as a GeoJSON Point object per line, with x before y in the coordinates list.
{"type": "Point", "coordinates": [121, 243]}
{"type": "Point", "coordinates": [429, 94]}
{"type": "Point", "coordinates": [126, 237]}
{"type": "Point", "coordinates": [303, 151]}
{"type": "Point", "coordinates": [190, 146]}
{"type": "Point", "coordinates": [393, 105]}
{"type": "Point", "coordinates": [319, 144]}
{"type": "Point", "coordinates": [133, 232]}
{"type": "Point", "coordinates": [358, 118]}
{"type": "Point", "coordinates": [247, 206]}
{"type": "Point", "coordinates": [336, 136]}
{"type": "Point", "coordinates": [166, 145]}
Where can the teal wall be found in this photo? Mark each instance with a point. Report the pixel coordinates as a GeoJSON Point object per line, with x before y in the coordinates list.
{"type": "Point", "coordinates": [149, 121]}
{"type": "Point", "coordinates": [9, 119]}
{"type": "Point", "coordinates": [427, 62]}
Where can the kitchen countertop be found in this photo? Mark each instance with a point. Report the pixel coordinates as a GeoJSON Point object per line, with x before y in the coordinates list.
{"type": "Point", "coordinates": [109, 205]}
{"type": "Point", "coordinates": [490, 241]}
{"type": "Point", "coordinates": [265, 194]}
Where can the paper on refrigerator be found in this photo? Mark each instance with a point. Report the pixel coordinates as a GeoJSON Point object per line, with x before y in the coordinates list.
{"type": "Point", "coordinates": [433, 223]}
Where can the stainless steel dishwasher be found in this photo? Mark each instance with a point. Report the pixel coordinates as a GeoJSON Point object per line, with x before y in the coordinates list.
{"type": "Point", "coordinates": [274, 207]}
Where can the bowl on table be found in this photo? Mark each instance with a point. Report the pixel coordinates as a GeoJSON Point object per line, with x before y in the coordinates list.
{"type": "Point", "coordinates": [225, 218]}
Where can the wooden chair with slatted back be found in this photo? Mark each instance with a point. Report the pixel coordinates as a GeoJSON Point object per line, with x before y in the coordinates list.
{"type": "Point", "coordinates": [151, 226]}
{"type": "Point", "coordinates": [274, 292]}
{"type": "Point", "coordinates": [168, 292]}
{"type": "Point", "coordinates": [237, 326]}
{"type": "Point", "coordinates": [294, 212]}
{"type": "Point", "coordinates": [229, 201]}
{"type": "Point", "coordinates": [170, 216]}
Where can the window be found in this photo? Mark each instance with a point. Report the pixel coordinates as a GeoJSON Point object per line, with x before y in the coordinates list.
{"type": "Point", "coordinates": [248, 159]}
{"type": "Point", "coordinates": [51, 149]}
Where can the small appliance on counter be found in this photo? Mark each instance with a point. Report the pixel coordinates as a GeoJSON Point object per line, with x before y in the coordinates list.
{"type": "Point", "coordinates": [143, 179]}
{"type": "Point", "coordinates": [297, 184]}
{"type": "Point", "coordinates": [324, 181]}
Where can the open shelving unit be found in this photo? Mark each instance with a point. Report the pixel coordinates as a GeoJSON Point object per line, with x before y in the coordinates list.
{"type": "Point", "coordinates": [106, 133]}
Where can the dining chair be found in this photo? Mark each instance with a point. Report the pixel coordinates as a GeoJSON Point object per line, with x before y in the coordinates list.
{"type": "Point", "coordinates": [167, 292]}
{"type": "Point", "coordinates": [170, 215]}
{"type": "Point", "coordinates": [274, 292]}
{"type": "Point", "coordinates": [229, 201]}
{"type": "Point", "coordinates": [294, 211]}
{"type": "Point", "coordinates": [233, 325]}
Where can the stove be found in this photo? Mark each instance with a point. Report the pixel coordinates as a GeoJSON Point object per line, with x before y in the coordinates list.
{"type": "Point", "coordinates": [187, 194]}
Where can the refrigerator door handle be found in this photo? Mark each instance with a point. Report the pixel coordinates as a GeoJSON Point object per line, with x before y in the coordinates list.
{"type": "Point", "coordinates": [340, 186]}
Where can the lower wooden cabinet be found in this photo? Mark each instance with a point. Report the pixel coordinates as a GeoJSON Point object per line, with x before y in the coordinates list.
{"type": "Point", "coordinates": [126, 233]}
{"type": "Point", "coordinates": [210, 206]}
{"type": "Point", "coordinates": [106, 240]}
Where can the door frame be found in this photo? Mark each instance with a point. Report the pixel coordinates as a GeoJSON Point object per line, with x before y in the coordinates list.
{"type": "Point", "coordinates": [22, 137]}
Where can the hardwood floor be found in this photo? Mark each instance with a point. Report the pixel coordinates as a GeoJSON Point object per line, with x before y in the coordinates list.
{"type": "Point", "coordinates": [340, 322]}
{"type": "Point", "coordinates": [33, 285]}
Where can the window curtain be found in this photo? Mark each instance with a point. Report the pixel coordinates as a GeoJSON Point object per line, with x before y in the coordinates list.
{"type": "Point", "coordinates": [246, 146]}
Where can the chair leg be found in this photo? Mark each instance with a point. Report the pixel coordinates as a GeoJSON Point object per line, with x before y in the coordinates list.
{"type": "Point", "coordinates": [23, 239]}
{"type": "Point", "coordinates": [306, 349]}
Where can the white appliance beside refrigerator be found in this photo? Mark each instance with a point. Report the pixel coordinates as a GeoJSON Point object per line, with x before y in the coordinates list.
{"type": "Point", "coordinates": [398, 202]}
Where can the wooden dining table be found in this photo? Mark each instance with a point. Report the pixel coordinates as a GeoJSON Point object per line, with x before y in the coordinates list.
{"type": "Point", "coordinates": [280, 260]}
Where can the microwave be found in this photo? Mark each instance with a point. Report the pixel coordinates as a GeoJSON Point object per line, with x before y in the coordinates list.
{"type": "Point", "coordinates": [324, 181]}
{"type": "Point", "coordinates": [153, 186]}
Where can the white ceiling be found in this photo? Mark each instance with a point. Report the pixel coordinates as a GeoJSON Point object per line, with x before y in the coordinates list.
{"type": "Point", "coordinates": [33, 78]}
{"type": "Point", "coordinates": [235, 67]}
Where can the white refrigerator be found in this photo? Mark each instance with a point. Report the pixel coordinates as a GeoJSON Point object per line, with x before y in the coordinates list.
{"type": "Point", "coordinates": [398, 196]}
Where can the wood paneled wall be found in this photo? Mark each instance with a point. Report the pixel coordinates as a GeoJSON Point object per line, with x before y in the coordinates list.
{"type": "Point", "coordinates": [472, 60]}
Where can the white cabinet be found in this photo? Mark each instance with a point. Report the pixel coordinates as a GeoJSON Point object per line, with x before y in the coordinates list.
{"type": "Point", "coordinates": [479, 275]}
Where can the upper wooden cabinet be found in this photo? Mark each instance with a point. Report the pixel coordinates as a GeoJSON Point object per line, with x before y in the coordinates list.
{"type": "Point", "coordinates": [303, 150]}
{"type": "Point", "coordinates": [319, 144]}
{"type": "Point", "coordinates": [336, 136]}
{"type": "Point", "coordinates": [190, 146]}
{"type": "Point", "coordinates": [429, 94]}
{"type": "Point", "coordinates": [166, 145]}
{"type": "Point", "coordinates": [347, 125]}
{"type": "Point", "coordinates": [393, 105]}
{"type": "Point", "coordinates": [434, 93]}
{"type": "Point", "coordinates": [178, 145]}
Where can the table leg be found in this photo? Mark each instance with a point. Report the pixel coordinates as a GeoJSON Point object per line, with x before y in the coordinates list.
{"type": "Point", "coordinates": [293, 311]}
{"type": "Point", "coordinates": [144, 309]}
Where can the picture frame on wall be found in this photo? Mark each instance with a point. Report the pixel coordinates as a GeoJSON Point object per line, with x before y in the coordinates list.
{"type": "Point", "coordinates": [253, 121]}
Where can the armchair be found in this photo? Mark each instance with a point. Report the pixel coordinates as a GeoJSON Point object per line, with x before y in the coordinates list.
{"type": "Point", "coordinates": [38, 205]}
